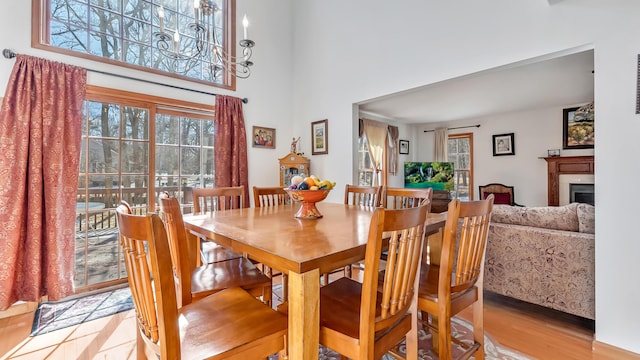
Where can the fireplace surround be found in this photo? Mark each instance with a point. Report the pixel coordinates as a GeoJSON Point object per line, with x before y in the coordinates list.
{"type": "Point", "coordinates": [563, 165]}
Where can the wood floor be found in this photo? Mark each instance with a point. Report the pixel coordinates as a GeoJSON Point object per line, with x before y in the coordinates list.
{"type": "Point", "coordinates": [527, 329]}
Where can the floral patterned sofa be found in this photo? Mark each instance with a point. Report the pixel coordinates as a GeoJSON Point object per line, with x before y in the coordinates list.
{"type": "Point", "coordinates": [543, 255]}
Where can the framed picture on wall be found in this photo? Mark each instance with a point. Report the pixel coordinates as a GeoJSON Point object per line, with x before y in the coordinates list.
{"type": "Point", "coordinates": [578, 127]}
{"type": "Point", "coordinates": [404, 146]}
{"type": "Point", "coordinates": [503, 145]}
{"type": "Point", "coordinates": [263, 137]}
{"type": "Point", "coordinates": [319, 137]}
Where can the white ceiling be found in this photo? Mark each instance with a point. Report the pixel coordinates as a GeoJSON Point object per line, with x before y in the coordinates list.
{"type": "Point", "coordinates": [561, 81]}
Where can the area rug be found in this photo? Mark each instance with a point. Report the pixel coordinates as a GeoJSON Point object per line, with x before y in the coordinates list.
{"type": "Point", "coordinates": [461, 329]}
{"type": "Point", "coordinates": [52, 316]}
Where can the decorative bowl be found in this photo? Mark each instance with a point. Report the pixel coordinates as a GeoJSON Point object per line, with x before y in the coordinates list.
{"type": "Point", "coordinates": [308, 198]}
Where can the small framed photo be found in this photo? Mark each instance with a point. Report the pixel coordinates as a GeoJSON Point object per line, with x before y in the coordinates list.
{"type": "Point", "coordinates": [553, 152]}
{"type": "Point", "coordinates": [263, 137]}
{"type": "Point", "coordinates": [404, 146]}
{"type": "Point", "coordinates": [319, 137]}
{"type": "Point", "coordinates": [503, 145]}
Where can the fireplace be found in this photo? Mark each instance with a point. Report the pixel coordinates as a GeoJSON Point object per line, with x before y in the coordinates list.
{"type": "Point", "coordinates": [565, 165]}
{"type": "Point", "coordinates": [582, 193]}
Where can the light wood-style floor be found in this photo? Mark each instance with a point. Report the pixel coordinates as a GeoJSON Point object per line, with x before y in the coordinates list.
{"type": "Point", "coordinates": [529, 330]}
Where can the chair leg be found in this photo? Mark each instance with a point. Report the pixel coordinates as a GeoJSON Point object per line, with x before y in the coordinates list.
{"type": "Point", "coordinates": [285, 287]}
{"type": "Point", "coordinates": [267, 295]}
{"type": "Point", "coordinates": [347, 271]}
{"type": "Point", "coordinates": [444, 337]}
{"type": "Point", "coordinates": [478, 327]}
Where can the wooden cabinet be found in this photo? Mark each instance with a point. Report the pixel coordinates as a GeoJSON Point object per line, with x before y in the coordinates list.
{"type": "Point", "coordinates": [292, 165]}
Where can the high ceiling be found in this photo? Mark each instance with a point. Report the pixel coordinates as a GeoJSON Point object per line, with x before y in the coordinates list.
{"type": "Point", "coordinates": [561, 81]}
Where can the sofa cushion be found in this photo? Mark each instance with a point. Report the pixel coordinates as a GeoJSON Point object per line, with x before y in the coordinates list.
{"type": "Point", "coordinates": [586, 218]}
{"type": "Point", "coordinates": [548, 217]}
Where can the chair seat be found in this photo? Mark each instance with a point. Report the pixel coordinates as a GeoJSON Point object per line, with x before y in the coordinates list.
{"type": "Point", "coordinates": [241, 272]}
{"type": "Point", "coordinates": [212, 252]}
{"type": "Point", "coordinates": [340, 306]}
{"type": "Point", "coordinates": [428, 290]}
{"type": "Point", "coordinates": [227, 322]}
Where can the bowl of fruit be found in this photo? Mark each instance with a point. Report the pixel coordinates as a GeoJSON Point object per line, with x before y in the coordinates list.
{"type": "Point", "coordinates": [309, 191]}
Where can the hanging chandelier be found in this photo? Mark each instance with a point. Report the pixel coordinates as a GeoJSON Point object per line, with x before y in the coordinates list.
{"type": "Point", "coordinates": [204, 41]}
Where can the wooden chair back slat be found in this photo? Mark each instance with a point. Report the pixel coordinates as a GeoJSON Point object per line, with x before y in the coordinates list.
{"type": "Point", "coordinates": [270, 196]}
{"type": "Point", "coordinates": [150, 275]}
{"type": "Point", "coordinates": [219, 198]}
{"type": "Point", "coordinates": [362, 195]}
{"type": "Point", "coordinates": [400, 198]}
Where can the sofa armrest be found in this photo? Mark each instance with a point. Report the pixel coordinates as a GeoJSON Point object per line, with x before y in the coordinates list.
{"type": "Point", "coordinates": [552, 268]}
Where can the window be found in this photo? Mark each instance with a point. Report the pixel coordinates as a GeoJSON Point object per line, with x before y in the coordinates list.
{"type": "Point", "coordinates": [133, 147]}
{"type": "Point", "coordinates": [365, 165]}
{"type": "Point", "coordinates": [460, 152]}
{"type": "Point", "coordinates": [121, 32]}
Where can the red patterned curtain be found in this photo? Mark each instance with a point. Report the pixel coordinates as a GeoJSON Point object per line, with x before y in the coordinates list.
{"type": "Point", "coordinates": [231, 145]}
{"type": "Point", "coordinates": [40, 130]}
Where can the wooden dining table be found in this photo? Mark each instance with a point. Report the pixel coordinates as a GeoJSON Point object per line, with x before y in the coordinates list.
{"type": "Point", "coordinates": [303, 249]}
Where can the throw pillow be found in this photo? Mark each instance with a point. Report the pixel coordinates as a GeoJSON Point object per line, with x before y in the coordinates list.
{"type": "Point", "coordinates": [586, 218]}
{"type": "Point", "coordinates": [499, 198]}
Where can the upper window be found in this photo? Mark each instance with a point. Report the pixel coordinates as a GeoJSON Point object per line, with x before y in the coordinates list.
{"type": "Point", "coordinates": [123, 32]}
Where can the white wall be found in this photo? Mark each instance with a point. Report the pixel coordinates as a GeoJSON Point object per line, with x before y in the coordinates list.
{"type": "Point", "coordinates": [535, 132]}
{"type": "Point", "coordinates": [347, 52]}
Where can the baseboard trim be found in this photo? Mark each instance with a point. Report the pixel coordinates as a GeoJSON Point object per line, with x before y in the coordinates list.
{"type": "Point", "coordinates": [613, 352]}
{"type": "Point", "coordinates": [19, 308]}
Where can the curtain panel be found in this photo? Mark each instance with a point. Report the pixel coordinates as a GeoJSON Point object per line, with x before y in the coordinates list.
{"type": "Point", "coordinates": [231, 145]}
{"type": "Point", "coordinates": [376, 133]}
{"type": "Point", "coordinates": [40, 133]}
{"type": "Point", "coordinates": [392, 138]}
{"type": "Point", "coordinates": [441, 137]}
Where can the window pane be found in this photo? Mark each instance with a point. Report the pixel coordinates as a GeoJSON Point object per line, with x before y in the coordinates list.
{"type": "Point", "coordinates": [207, 132]}
{"type": "Point", "coordinates": [190, 134]}
{"type": "Point", "coordinates": [136, 123]}
{"type": "Point", "coordinates": [167, 160]}
{"type": "Point", "coordinates": [104, 120]}
{"type": "Point", "coordinates": [167, 129]}
{"type": "Point", "coordinates": [135, 157]}
{"type": "Point", "coordinates": [104, 156]}
{"type": "Point", "coordinates": [190, 161]}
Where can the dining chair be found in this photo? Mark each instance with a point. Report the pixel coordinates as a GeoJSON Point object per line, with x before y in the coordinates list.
{"type": "Point", "coordinates": [196, 282]}
{"type": "Point", "coordinates": [215, 199]}
{"type": "Point", "coordinates": [400, 198]}
{"type": "Point", "coordinates": [364, 320]}
{"type": "Point", "coordinates": [228, 324]}
{"type": "Point", "coordinates": [270, 196]}
{"type": "Point", "coordinates": [358, 195]}
{"type": "Point", "coordinates": [266, 197]}
{"type": "Point", "coordinates": [362, 195]}
{"type": "Point", "coordinates": [454, 282]}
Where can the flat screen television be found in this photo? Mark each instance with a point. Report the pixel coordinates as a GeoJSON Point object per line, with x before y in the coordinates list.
{"type": "Point", "coordinates": [436, 175]}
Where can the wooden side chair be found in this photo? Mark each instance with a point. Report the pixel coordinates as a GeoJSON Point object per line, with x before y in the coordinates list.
{"type": "Point", "coordinates": [502, 194]}
{"type": "Point", "coordinates": [358, 195]}
{"type": "Point", "coordinates": [215, 199]}
{"type": "Point", "coordinates": [362, 195]}
{"type": "Point", "coordinates": [194, 282]}
{"type": "Point", "coordinates": [364, 320]}
{"type": "Point", "coordinates": [200, 330]}
{"type": "Point", "coordinates": [270, 196]}
{"type": "Point", "coordinates": [401, 198]}
{"type": "Point", "coordinates": [273, 196]}
{"type": "Point", "coordinates": [455, 283]}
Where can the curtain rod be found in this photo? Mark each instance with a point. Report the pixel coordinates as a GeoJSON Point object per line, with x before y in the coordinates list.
{"type": "Point", "coordinates": [10, 54]}
{"type": "Point", "coordinates": [459, 127]}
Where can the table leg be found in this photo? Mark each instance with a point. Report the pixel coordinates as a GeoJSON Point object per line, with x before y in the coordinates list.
{"type": "Point", "coordinates": [304, 315]}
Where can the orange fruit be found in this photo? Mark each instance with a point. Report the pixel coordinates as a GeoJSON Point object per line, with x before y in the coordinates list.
{"type": "Point", "coordinates": [309, 181]}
